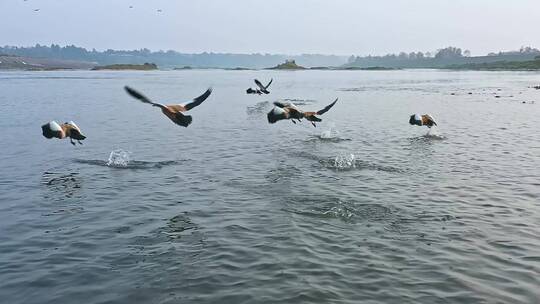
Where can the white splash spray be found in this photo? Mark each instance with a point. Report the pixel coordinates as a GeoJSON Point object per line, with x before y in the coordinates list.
{"type": "Point", "coordinates": [119, 158]}
{"type": "Point", "coordinates": [434, 134]}
{"type": "Point", "coordinates": [345, 161]}
{"type": "Point", "coordinates": [331, 133]}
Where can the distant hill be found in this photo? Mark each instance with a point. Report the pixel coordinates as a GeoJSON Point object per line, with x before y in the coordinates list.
{"type": "Point", "coordinates": [288, 65]}
{"type": "Point", "coordinates": [12, 62]}
{"type": "Point", "coordinates": [170, 59]}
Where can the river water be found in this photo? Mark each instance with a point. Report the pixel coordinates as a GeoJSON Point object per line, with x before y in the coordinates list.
{"type": "Point", "coordinates": [362, 208]}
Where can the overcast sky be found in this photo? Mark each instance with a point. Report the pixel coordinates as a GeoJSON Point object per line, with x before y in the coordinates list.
{"type": "Point", "coordinates": [343, 27]}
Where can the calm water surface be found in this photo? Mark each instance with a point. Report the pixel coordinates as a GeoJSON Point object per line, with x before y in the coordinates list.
{"type": "Point", "coordinates": [363, 208]}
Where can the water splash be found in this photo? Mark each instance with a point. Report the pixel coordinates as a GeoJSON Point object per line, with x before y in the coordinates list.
{"type": "Point", "coordinates": [331, 133]}
{"type": "Point", "coordinates": [342, 210]}
{"type": "Point", "coordinates": [342, 162]}
{"type": "Point", "coordinates": [119, 158]}
{"type": "Point", "coordinates": [433, 133]}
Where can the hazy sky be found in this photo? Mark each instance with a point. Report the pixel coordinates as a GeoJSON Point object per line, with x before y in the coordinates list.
{"type": "Point", "coordinates": [342, 27]}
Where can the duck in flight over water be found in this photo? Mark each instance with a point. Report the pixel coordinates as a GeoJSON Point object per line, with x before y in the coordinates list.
{"type": "Point", "coordinates": [262, 89]}
{"type": "Point", "coordinates": [283, 111]}
{"type": "Point", "coordinates": [68, 129]}
{"type": "Point", "coordinates": [422, 120]}
{"type": "Point", "coordinates": [173, 112]}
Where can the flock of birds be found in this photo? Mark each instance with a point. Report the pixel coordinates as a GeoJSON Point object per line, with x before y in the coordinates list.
{"type": "Point", "coordinates": [176, 113]}
{"type": "Point", "coordinates": [131, 7]}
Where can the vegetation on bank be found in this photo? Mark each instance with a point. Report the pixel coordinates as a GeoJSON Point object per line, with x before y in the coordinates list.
{"type": "Point", "coordinates": [186, 67]}
{"type": "Point", "coordinates": [55, 57]}
{"type": "Point", "coordinates": [169, 59]}
{"type": "Point", "coordinates": [119, 67]}
{"type": "Point", "coordinates": [374, 68]}
{"type": "Point", "coordinates": [531, 65]}
{"type": "Point", "coordinates": [288, 65]}
{"type": "Point", "coordinates": [441, 59]}
{"type": "Point", "coordinates": [12, 62]}
{"type": "Point", "coordinates": [237, 69]}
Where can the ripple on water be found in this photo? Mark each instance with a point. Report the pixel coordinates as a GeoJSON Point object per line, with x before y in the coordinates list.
{"type": "Point", "coordinates": [61, 186]}
{"type": "Point", "coordinates": [177, 227]}
{"type": "Point", "coordinates": [121, 159]}
{"type": "Point", "coordinates": [259, 108]}
{"type": "Point", "coordinates": [352, 212]}
{"type": "Point", "coordinates": [346, 211]}
{"type": "Point", "coordinates": [347, 162]}
{"type": "Point", "coordinates": [272, 216]}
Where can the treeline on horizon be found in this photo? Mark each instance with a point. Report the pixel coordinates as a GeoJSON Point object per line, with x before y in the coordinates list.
{"type": "Point", "coordinates": [169, 59]}
{"type": "Point", "coordinates": [445, 57]}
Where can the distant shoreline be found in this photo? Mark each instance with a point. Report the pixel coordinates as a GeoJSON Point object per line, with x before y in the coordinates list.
{"type": "Point", "coordinates": [127, 67]}
{"type": "Point", "coordinates": [253, 70]}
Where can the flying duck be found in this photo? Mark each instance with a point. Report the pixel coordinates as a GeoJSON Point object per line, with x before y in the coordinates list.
{"type": "Point", "coordinates": [68, 129]}
{"type": "Point", "coordinates": [173, 112]}
{"type": "Point", "coordinates": [290, 111]}
{"type": "Point", "coordinates": [253, 91]}
{"type": "Point", "coordinates": [262, 89]}
{"type": "Point", "coordinates": [422, 120]}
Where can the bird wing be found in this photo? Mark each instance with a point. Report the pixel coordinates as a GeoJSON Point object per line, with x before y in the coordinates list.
{"type": "Point", "coordinates": [261, 86]}
{"type": "Point", "coordinates": [266, 87]}
{"type": "Point", "coordinates": [73, 131]}
{"type": "Point", "coordinates": [294, 112]}
{"type": "Point", "coordinates": [277, 114]}
{"type": "Point", "coordinates": [141, 97]}
{"type": "Point", "coordinates": [431, 119]}
{"type": "Point", "coordinates": [328, 107]}
{"type": "Point", "coordinates": [285, 105]}
{"type": "Point", "coordinates": [52, 129]}
{"type": "Point", "coordinates": [281, 104]}
{"type": "Point", "coordinates": [73, 125]}
{"type": "Point", "coordinates": [197, 101]}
